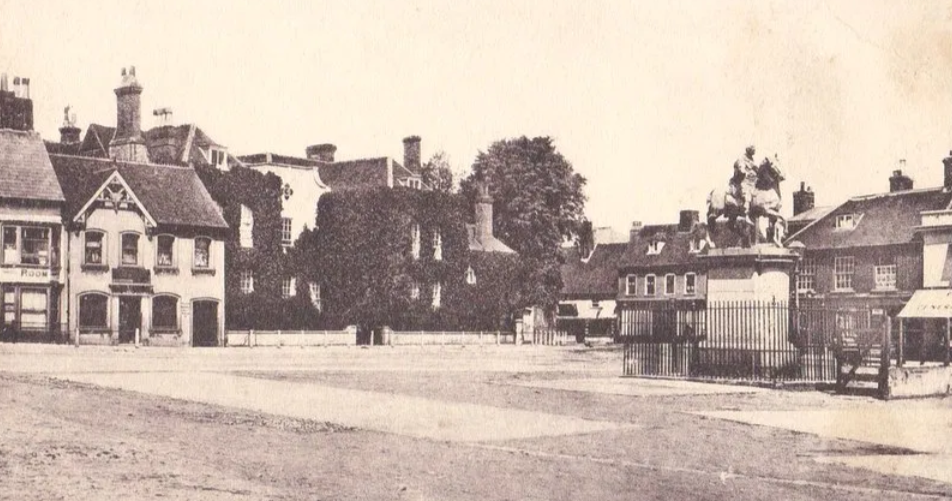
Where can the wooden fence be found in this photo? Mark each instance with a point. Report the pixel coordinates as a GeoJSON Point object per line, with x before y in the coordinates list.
{"type": "Point", "coordinates": [346, 337]}
{"type": "Point", "coordinates": [458, 338]}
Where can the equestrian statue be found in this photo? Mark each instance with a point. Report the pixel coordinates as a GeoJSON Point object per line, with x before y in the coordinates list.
{"type": "Point", "coordinates": [751, 203]}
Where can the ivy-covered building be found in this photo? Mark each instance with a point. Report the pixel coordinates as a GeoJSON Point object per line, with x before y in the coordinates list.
{"type": "Point", "coordinates": [407, 259]}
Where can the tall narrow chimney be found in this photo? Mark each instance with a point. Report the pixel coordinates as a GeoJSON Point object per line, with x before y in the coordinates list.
{"type": "Point", "coordinates": [411, 153]}
{"type": "Point", "coordinates": [947, 163]}
{"type": "Point", "coordinates": [484, 212]}
{"type": "Point", "coordinates": [128, 143]}
{"type": "Point", "coordinates": [803, 200]}
{"type": "Point", "coordinates": [16, 108]}
{"type": "Point", "coordinates": [899, 181]}
{"type": "Point", "coordinates": [635, 230]}
{"type": "Point", "coordinates": [687, 220]}
{"type": "Point", "coordinates": [25, 88]}
{"type": "Point", "coordinates": [69, 133]}
{"type": "Point", "coordinates": [321, 152]}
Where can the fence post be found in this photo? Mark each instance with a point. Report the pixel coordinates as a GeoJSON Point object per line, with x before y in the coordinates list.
{"type": "Point", "coordinates": [325, 338]}
{"type": "Point", "coordinates": [899, 348]}
{"type": "Point", "coordinates": [76, 340]}
{"type": "Point", "coordinates": [884, 362]}
{"type": "Point", "coordinates": [252, 339]}
{"type": "Point", "coordinates": [497, 337]}
{"type": "Point", "coordinates": [137, 338]}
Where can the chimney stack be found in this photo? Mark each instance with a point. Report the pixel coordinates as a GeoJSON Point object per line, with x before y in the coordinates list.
{"type": "Point", "coordinates": [803, 200]}
{"type": "Point", "coordinates": [899, 181]}
{"type": "Point", "coordinates": [69, 133]}
{"type": "Point", "coordinates": [947, 162]}
{"type": "Point", "coordinates": [128, 144]}
{"type": "Point", "coordinates": [16, 107]}
{"type": "Point", "coordinates": [321, 152]}
{"type": "Point", "coordinates": [635, 230]}
{"type": "Point", "coordinates": [484, 212]}
{"type": "Point", "coordinates": [687, 220]}
{"type": "Point", "coordinates": [411, 153]}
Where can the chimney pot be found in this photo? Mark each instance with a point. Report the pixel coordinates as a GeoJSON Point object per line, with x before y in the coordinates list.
{"type": "Point", "coordinates": [947, 164]}
{"type": "Point", "coordinates": [25, 88]}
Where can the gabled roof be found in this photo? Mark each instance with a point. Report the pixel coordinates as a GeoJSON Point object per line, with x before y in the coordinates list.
{"type": "Point", "coordinates": [674, 252]}
{"type": "Point", "coordinates": [596, 276]}
{"type": "Point", "coordinates": [96, 141]}
{"type": "Point", "coordinates": [25, 169]}
{"type": "Point", "coordinates": [884, 219]}
{"type": "Point", "coordinates": [188, 144]}
{"type": "Point", "coordinates": [812, 214]}
{"type": "Point", "coordinates": [173, 195]}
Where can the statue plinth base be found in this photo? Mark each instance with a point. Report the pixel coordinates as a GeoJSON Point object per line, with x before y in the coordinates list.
{"type": "Point", "coordinates": [748, 315]}
{"type": "Point", "coordinates": [758, 274]}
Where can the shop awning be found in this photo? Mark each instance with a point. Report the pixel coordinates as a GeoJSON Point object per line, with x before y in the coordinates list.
{"type": "Point", "coordinates": [928, 303]}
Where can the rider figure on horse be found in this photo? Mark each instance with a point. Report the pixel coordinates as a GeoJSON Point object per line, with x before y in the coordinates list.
{"type": "Point", "coordinates": [744, 178]}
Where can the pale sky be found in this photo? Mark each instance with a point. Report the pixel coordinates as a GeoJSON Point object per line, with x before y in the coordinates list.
{"type": "Point", "coordinates": [650, 101]}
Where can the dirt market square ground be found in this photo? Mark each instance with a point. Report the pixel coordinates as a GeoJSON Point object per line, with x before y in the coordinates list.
{"type": "Point", "coordinates": [490, 423]}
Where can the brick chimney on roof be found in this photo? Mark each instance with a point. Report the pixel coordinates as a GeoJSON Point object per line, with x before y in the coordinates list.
{"type": "Point", "coordinates": [688, 219]}
{"type": "Point", "coordinates": [803, 200]}
{"type": "Point", "coordinates": [484, 212]}
{"type": "Point", "coordinates": [947, 163]}
{"type": "Point", "coordinates": [69, 133]}
{"type": "Point", "coordinates": [321, 152]}
{"type": "Point", "coordinates": [16, 107]}
{"type": "Point", "coordinates": [411, 153]}
{"type": "Point", "coordinates": [635, 230]}
{"type": "Point", "coordinates": [899, 181]}
{"type": "Point", "coordinates": [128, 144]}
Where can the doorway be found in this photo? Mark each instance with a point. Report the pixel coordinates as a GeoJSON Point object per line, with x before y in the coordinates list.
{"type": "Point", "coordinates": [204, 323]}
{"type": "Point", "coordinates": [130, 318]}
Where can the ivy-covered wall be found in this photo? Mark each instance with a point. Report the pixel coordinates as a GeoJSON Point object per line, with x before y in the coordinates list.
{"type": "Point", "coordinates": [360, 254]}
{"type": "Point", "coordinates": [264, 308]}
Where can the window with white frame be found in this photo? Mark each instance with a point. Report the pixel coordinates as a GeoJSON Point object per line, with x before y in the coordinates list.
{"type": "Point", "coordinates": [631, 285]}
{"type": "Point", "coordinates": [669, 284]}
{"type": "Point", "coordinates": [246, 228]}
{"type": "Point", "coordinates": [202, 256]}
{"type": "Point", "coordinates": [247, 280]}
{"type": "Point", "coordinates": [165, 313]}
{"type": "Point", "coordinates": [806, 279]}
{"type": "Point", "coordinates": [26, 245]}
{"type": "Point", "coordinates": [286, 237]}
{"type": "Point", "coordinates": [93, 247]}
{"type": "Point", "coordinates": [414, 290]}
{"type": "Point", "coordinates": [414, 183]}
{"type": "Point", "coordinates": [288, 287]}
{"type": "Point", "coordinates": [885, 274]}
{"type": "Point", "coordinates": [129, 253]}
{"type": "Point", "coordinates": [415, 240]}
{"type": "Point", "coordinates": [94, 311]}
{"type": "Point", "coordinates": [437, 245]}
{"type": "Point", "coordinates": [470, 276]}
{"type": "Point", "coordinates": [846, 221]}
{"type": "Point", "coordinates": [218, 157]}
{"type": "Point", "coordinates": [314, 291]}
{"type": "Point", "coordinates": [690, 284]}
{"type": "Point", "coordinates": [843, 269]}
{"type": "Point", "coordinates": [164, 252]}
{"type": "Point", "coordinates": [650, 288]}
{"type": "Point", "coordinates": [437, 295]}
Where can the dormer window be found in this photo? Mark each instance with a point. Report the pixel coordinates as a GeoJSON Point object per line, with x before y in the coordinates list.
{"type": "Point", "coordinates": [414, 183]}
{"type": "Point", "coordinates": [847, 221]}
{"type": "Point", "coordinates": [470, 276]}
{"type": "Point", "coordinates": [655, 247]}
{"type": "Point", "coordinates": [218, 157]}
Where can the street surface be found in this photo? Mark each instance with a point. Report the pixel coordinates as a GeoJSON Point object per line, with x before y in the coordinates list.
{"type": "Point", "coordinates": [450, 423]}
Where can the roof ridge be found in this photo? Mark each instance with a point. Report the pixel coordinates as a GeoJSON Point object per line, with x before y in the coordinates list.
{"type": "Point", "coordinates": [118, 162]}
{"type": "Point", "coordinates": [895, 193]}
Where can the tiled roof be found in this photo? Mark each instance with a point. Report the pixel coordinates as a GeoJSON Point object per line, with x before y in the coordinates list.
{"type": "Point", "coordinates": [598, 276]}
{"type": "Point", "coordinates": [274, 158]}
{"type": "Point", "coordinates": [25, 170]}
{"type": "Point", "coordinates": [359, 173]}
{"type": "Point", "coordinates": [812, 214]}
{"type": "Point", "coordinates": [883, 219]}
{"type": "Point", "coordinates": [676, 250]}
{"type": "Point", "coordinates": [172, 195]}
{"type": "Point", "coordinates": [62, 148]}
{"type": "Point", "coordinates": [96, 141]}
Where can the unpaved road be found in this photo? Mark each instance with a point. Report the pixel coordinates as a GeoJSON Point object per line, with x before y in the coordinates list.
{"type": "Point", "coordinates": [63, 439]}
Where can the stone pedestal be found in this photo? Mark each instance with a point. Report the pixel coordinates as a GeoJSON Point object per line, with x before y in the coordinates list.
{"type": "Point", "coordinates": [748, 309]}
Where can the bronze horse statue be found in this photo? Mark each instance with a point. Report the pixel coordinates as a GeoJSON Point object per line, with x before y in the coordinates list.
{"type": "Point", "coordinates": [766, 222]}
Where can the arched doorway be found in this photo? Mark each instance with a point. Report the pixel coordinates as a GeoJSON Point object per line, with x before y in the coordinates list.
{"type": "Point", "coordinates": [204, 322]}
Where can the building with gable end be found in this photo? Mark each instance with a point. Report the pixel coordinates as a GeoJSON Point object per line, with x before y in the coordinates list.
{"type": "Point", "coordinates": [145, 257]}
{"type": "Point", "coordinates": [31, 232]}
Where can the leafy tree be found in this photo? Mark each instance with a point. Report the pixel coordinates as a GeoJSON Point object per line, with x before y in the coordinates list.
{"type": "Point", "coordinates": [539, 203]}
{"type": "Point", "coordinates": [438, 173]}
